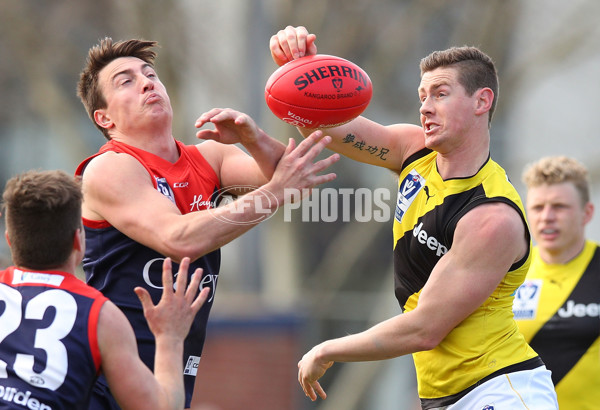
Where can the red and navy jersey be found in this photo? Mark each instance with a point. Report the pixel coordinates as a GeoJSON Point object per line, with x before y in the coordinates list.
{"type": "Point", "coordinates": [49, 356]}
{"type": "Point", "coordinates": [115, 264]}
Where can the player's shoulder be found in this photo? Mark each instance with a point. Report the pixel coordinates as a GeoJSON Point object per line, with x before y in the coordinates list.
{"type": "Point", "coordinates": [112, 164]}
{"type": "Point", "coordinates": [494, 217]}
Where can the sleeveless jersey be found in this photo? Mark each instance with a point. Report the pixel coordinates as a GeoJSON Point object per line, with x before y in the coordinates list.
{"type": "Point", "coordinates": [49, 355]}
{"type": "Point", "coordinates": [115, 264]}
{"type": "Point", "coordinates": [486, 343]}
{"type": "Point", "coordinates": [558, 311]}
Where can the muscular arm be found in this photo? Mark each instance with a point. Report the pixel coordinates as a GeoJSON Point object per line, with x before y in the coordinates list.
{"type": "Point", "coordinates": [448, 297]}
{"type": "Point", "coordinates": [233, 165]}
{"type": "Point", "coordinates": [119, 190]}
{"type": "Point", "coordinates": [366, 141]}
{"type": "Point", "coordinates": [361, 139]}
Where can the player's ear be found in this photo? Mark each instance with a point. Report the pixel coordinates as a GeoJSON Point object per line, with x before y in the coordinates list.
{"type": "Point", "coordinates": [7, 238]}
{"type": "Point", "coordinates": [102, 119]}
{"type": "Point", "coordinates": [79, 239]}
{"type": "Point", "coordinates": [484, 100]}
{"type": "Point", "coordinates": [588, 212]}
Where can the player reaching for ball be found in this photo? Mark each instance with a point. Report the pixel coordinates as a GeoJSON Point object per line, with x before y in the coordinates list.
{"type": "Point", "coordinates": [148, 196]}
{"type": "Point", "coordinates": [461, 243]}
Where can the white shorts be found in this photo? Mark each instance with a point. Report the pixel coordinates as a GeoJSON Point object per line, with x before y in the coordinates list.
{"type": "Point", "coordinates": [527, 389]}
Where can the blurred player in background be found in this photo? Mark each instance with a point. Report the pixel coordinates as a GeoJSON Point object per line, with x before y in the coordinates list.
{"type": "Point", "coordinates": [462, 246]}
{"type": "Point", "coordinates": [148, 196]}
{"type": "Point", "coordinates": [57, 333]}
{"type": "Point", "coordinates": [558, 306]}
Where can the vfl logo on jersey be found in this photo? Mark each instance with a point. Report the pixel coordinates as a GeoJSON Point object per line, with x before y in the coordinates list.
{"type": "Point", "coordinates": [163, 187]}
{"type": "Point", "coordinates": [408, 190]}
{"type": "Point", "coordinates": [191, 366]}
{"type": "Point", "coordinates": [526, 299]}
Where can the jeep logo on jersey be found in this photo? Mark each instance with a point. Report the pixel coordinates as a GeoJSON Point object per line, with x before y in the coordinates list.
{"type": "Point", "coordinates": [430, 241]}
{"type": "Point", "coordinates": [163, 187]}
{"type": "Point", "coordinates": [408, 190]}
{"type": "Point", "coordinates": [579, 309]}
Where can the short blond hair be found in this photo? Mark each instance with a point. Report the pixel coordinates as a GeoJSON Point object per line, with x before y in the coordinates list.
{"type": "Point", "coordinates": [556, 170]}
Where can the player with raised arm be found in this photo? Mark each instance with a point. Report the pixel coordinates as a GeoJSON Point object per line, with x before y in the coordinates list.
{"type": "Point", "coordinates": [57, 334]}
{"type": "Point", "coordinates": [461, 243]}
{"type": "Point", "coordinates": [148, 196]}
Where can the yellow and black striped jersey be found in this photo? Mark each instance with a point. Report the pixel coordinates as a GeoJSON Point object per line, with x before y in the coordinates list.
{"type": "Point", "coordinates": [558, 311]}
{"type": "Point", "coordinates": [486, 343]}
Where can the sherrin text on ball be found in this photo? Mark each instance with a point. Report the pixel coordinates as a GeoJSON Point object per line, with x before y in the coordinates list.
{"type": "Point", "coordinates": [318, 91]}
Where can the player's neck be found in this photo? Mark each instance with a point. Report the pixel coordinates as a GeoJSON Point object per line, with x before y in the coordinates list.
{"type": "Point", "coordinates": [461, 165]}
{"type": "Point", "coordinates": [563, 255]}
{"type": "Point", "coordinates": [463, 156]}
{"type": "Point", "coordinates": [161, 145]}
{"type": "Point", "coordinates": [68, 267]}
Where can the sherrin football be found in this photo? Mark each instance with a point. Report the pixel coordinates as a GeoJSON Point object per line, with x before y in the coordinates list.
{"type": "Point", "coordinates": [318, 91]}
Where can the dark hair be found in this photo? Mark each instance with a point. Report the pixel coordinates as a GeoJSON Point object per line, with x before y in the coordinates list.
{"type": "Point", "coordinates": [43, 212]}
{"type": "Point", "coordinates": [99, 57]}
{"type": "Point", "coordinates": [476, 69]}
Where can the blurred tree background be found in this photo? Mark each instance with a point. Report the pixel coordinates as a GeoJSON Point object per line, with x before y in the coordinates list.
{"type": "Point", "coordinates": [321, 279]}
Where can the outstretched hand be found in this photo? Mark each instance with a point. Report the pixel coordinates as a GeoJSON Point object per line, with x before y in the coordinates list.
{"type": "Point", "coordinates": [174, 313]}
{"type": "Point", "coordinates": [296, 168]}
{"type": "Point", "coordinates": [292, 43]}
{"type": "Point", "coordinates": [231, 127]}
{"type": "Point", "coordinates": [310, 370]}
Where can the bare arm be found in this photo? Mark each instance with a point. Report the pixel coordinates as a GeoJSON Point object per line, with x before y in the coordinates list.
{"type": "Point", "coordinates": [361, 139]}
{"type": "Point", "coordinates": [234, 165]}
{"type": "Point", "coordinates": [450, 284]}
{"type": "Point", "coordinates": [131, 381]}
{"type": "Point", "coordinates": [118, 189]}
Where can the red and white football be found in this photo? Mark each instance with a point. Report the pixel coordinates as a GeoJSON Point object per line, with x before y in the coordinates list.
{"type": "Point", "coordinates": [318, 91]}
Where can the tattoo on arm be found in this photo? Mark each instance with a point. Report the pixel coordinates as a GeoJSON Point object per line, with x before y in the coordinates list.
{"type": "Point", "coordinates": [362, 146]}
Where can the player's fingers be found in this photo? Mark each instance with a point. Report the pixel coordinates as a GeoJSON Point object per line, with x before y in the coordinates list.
{"type": "Point", "coordinates": [319, 390]}
{"type": "Point", "coordinates": [190, 292]}
{"type": "Point", "coordinates": [144, 298]}
{"type": "Point", "coordinates": [200, 299]}
{"type": "Point", "coordinates": [323, 179]}
{"type": "Point", "coordinates": [308, 390]}
{"type": "Point", "coordinates": [314, 145]}
{"type": "Point", "coordinates": [277, 52]}
{"type": "Point", "coordinates": [223, 115]}
{"type": "Point", "coordinates": [301, 33]}
{"type": "Point", "coordinates": [316, 141]}
{"type": "Point", "coordinates": [206, 117]}
{"type": "Point", "coordinates": [180, 285]}
{"type": "Point", "coordinates": [207, 135]}
{"type": "Point", "coordinates": [283, 44]}
{"type": "Point", "coordinates": [326, 162]}
{"type": "Point", "coordinates": [311, 47]}
{"type": "Point", "coordinates": [167, 277]}
{"type": "Point", "coordinates": [245, 123]}
{"type": "Point", "coordinates": [290, 148]}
